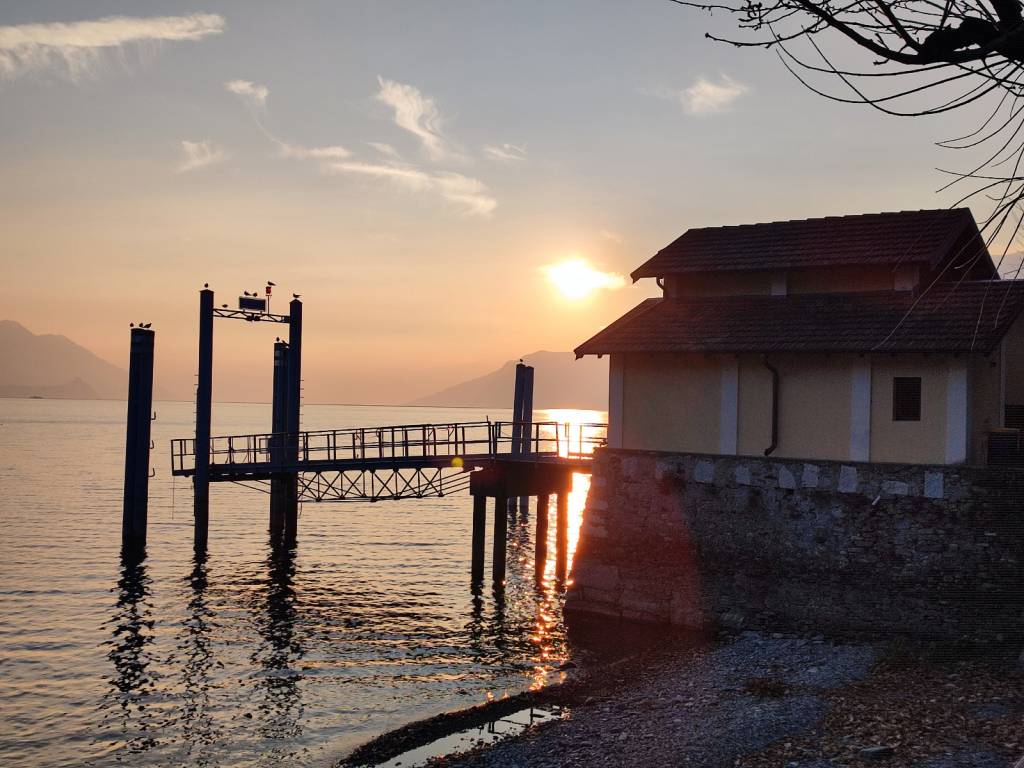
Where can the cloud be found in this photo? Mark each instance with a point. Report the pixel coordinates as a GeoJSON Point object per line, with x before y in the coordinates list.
{"type": "Point", "coordinates": [611, 236]}
{"type": "Point", "coordinates": [76, 46]}
{"type": "Point", "coordinates": [469, 195]}
{"type": "Point", "coordinates": [416, 113]}
{"type": "Point", "coordinates": [506, 153]}
{"type": "Point", "coordinates": [199, 154]}
{"type": "Point", "coordinates": [255, 95]}
{"type": "Point", "coordinates": [313, 153]}
{"type": "Point", "coordinates": [707, 98]}
{"type": "Point", "coordinates": [385, 149]}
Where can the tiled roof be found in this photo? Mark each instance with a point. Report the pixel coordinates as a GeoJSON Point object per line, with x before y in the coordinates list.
{"type": "Point", "coordinates": [927, 237]}
{"type": "Point", "coordinates": [970, 316]}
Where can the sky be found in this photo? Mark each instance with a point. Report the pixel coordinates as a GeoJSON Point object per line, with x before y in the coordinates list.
{"type": "Point", "coordinates": [448, 184]}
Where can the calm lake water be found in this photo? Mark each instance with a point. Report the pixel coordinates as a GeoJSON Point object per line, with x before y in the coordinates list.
{"type": "Point", "coordinates": [250, 657]}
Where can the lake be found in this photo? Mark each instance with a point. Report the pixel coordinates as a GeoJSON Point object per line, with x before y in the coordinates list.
{"type": "Point", "coordinates": [251, 656]}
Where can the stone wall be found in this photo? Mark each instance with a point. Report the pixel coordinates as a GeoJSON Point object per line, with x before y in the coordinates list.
{"type": "Point", "coordinates": [779, 544]}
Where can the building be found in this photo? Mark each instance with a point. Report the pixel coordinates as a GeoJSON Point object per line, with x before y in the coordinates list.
{"type": "Point", "coordinates": [882, 337]}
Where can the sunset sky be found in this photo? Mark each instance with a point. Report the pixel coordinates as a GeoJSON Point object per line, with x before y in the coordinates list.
{"type": "Point", "coordinates": [420, 172]}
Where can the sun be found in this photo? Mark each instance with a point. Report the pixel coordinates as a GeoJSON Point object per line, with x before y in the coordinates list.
{"type": "Point", "coordinates": [576, 279]}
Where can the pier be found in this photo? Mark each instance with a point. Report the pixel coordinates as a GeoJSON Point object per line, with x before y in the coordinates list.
{"type": "Point", "coordinates": [508, 462]}
{"type": "Point", "coordinates": [488, 459]}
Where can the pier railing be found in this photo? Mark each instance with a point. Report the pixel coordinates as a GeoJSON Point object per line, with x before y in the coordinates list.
{"type": "Point", "coordinates": [428, 442]}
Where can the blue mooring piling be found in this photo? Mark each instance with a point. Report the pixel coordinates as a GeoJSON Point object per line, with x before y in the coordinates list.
{"type": "Point", "coordinates": [526, 416]}
{"type": "Point", "coordinates": [292, 417]}
{"type": "Point", "coordinates": [279, 425]}
{"type": "Point", "coordinates": [204, 404]}
{"type": "Point", "coordinates": [137, 440]}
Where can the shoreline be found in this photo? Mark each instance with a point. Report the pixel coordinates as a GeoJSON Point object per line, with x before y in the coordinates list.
{"type": "Point", "coordinates": [753, 700]}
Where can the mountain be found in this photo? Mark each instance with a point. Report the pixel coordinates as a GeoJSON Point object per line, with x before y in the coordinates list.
{"type": "Point", "coordinates": [560, 381]}
{"type": "Point", "coordinates": [54, 366]}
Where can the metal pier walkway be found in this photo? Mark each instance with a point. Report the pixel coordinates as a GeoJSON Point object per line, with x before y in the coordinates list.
{"type": "Point", "coordinates": [394, 462]}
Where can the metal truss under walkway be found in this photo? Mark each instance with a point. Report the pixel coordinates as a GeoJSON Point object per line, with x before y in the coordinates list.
{"type": "Point", "coordinates": [392, 462]}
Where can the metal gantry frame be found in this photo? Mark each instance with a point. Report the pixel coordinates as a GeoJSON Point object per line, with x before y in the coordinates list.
{"type": "Point", "coordinates": [284, 502]}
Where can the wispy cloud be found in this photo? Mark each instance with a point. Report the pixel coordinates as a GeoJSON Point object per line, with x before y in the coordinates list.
{"type": "Point", "coordinates": [416, 113]}
{"type": "Point", "coordinates": [199, 154]}
{"type": "Point", "coordinates": [506, 153]}
{"type": "Point", "coordinates": [254, 95]}
{"type": "Point", "coordinates": [75, 47]}
{"type": "Point", "coordinates": [385, 149]}
{"type": "Point", "coordinates": [705, 97]}
{"type": "Point", "coordinates": [313, 153]}
{"type": "Point", "coordinates": [470, 196]}
{"type": "Point", "coordinates": [611, 236]}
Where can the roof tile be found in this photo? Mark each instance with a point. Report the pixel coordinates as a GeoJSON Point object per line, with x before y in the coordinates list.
{"type": "Point", "coordinates": [927, 237]}
{"type": "Point", "coordinates": [950, 317]}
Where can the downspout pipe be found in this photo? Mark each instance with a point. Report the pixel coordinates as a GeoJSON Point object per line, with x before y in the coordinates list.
{"type": "Point", "coordinates": [775, 406]}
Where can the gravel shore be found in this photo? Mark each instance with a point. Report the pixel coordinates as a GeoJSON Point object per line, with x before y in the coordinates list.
{"type": "Point", "coordinates": [756, 701]}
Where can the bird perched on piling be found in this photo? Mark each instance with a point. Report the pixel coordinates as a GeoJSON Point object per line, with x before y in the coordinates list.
{"type": "Point", "coordinates": [295, 296]}
{"type": "Point", "coordinates": [271, 283]}
{"type": "Point", "coordinates": [146, 325]}
{"type": "Point", "coordinates": [247, 293]}
{"type": "Point", "coordinates": [131, 325]}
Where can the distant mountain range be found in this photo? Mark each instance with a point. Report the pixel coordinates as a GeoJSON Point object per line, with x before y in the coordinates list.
{"type": "Point", "coordinates": [560, 381]}
{"type": "Point", "coordinates": [54, 366]}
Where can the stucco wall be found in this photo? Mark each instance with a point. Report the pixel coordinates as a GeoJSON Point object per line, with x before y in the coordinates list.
{"type": "Point", "coordinates": [675, 403]}
{"type": "Point", "coordinates": [986, 408]}
{"type": "Point", "coordinates": [814, 406]}
{"type": "Point", "coordinates": [755, 406]}
{"type": "Point", "coordinates": [867, 278]}
{"type": "Point", "coordinates": [824, 280]}
{"type": "Point", "coordinates": [839, 548]}
{"type": "Point", "coordinates": [671, 402]}
{"type": "Point", "coordinates": [1014, 342]}
{"type": "Point", "coordinates": [923, 441]}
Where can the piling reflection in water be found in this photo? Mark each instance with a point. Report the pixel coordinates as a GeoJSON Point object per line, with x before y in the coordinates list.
{"type": "Point", "coordinates": [124, 706]}
{"type": "Point", "coordinates": [194, 644]}
{"type": "Point", "coordinates": [280, 650]}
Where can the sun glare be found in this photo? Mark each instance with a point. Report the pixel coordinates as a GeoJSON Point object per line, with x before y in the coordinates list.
{"type": "Point", "coordinates": [575, 279]}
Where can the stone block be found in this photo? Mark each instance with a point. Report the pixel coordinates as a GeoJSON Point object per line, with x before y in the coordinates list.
{"type": "Point", "coordinates": [786, 479]}
{"type": "Point", "coordinates": [809, 478]}
{"type": "Point", "coordinates": [934, 484]}
{"type": "Point", "coordinates": [704, 471]}
{"type": "Point", "coordinates": [742, 474]}
{"type": "Point", "coordinates": [848, 480]}
{"type": "Point", "coordinates": [597, 576]}
{"type": "Point", "coordinates": [895, 487]}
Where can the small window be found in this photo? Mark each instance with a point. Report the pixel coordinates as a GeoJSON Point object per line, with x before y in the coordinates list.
{"type": "Point", "coordinates": [906, 398]}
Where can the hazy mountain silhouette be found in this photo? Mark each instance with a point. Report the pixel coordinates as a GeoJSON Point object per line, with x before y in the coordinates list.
{"type": "Point", "coordinates": [560, 381]}
{"type": "Point", "coordinates": [54, 366]}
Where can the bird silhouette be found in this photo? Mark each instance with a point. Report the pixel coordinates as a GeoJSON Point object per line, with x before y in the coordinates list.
{"type": "Point", "coordinates": [270, 283]}
{"type": "Point", "coordinates": [146, 325]}
{"type": "Point", "coordinates": [246, 293]}
{"type": "Point", "coordinates": [295, 295]}
{"type": "Point", "coordinates": [225, 306]}
{"type": "Point", "coordinates": [206, 285]}
{"type": "Point", "coordinates": [131, 325]}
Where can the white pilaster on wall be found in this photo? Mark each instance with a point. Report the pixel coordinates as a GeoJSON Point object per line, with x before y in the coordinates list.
{"type": "Point", "coordinates": [860, 411]}
{"type": "Point", "coordinates": [616, 387]}
{"type": "Point", "coordinates": [729, 416]}
{"type": "Point", "coordinates": [957, 412]}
